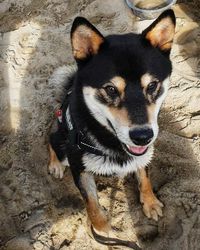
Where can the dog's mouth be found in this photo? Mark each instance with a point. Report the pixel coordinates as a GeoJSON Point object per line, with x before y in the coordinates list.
{"type": "Point", "coordinates": [133, 150]}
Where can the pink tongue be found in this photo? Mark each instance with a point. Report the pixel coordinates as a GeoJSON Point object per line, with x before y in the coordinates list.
{"type": "Point", "coordinates": [138, 150]}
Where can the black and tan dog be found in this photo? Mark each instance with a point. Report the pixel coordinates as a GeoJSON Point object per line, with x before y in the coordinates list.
{"type": "Point", "coordinates": [108, 120]}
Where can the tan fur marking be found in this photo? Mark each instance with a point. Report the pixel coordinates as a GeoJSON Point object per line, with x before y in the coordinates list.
{"type": "Point", "coordinates": [150, 112]}
{"type": "Point", "coordinates": [162, 34]}
{"type": "Point", "coordinates": [120, 84]}
{"type": "Point", "coordinates": [85, 41]}
{"type": "Point", "coordinates": [55, 166]}
{"type": "Point", "coordinates": [108, 99]}
{"type": "Point", "coordinates": [152, 207]}
{"type": "Point", "coordinates": [145, 185]}
{"type": "Point", "coordinates": [121, 114]}
{"type": "Point", "coordinates": [97, 216]}
{"type": "Point", "coordinates": [53, 157]}
{"type": "Point", "coordinates": [158, 88]}
{"type": "Point", "coordinates": [146, 79]}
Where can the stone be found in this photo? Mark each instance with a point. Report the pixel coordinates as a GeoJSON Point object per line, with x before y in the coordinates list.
{"type": "Point", "coordinates": [19, 243]}
{"type": "Point", "coordinates": [182, 11]}
{"type": "Point", "coordinates": [187, 33]}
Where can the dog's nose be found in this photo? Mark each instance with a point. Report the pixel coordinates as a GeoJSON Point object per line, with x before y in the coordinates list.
{"type": "Point", "coordinates": [141, 136]}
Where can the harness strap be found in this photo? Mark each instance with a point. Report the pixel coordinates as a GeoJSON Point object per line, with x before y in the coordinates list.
{"type": "Point", "coordinates": [76, 137]}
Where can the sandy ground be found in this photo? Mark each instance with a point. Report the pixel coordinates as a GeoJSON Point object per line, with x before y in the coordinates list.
{"type": "Point", "coordinates": [40, 212]}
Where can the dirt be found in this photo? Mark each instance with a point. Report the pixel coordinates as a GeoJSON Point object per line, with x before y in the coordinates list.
{"type": "Point", "coordinates": [39, 212]}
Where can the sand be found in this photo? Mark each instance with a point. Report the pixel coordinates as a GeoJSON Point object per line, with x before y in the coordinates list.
{"type": "Point", "coordinates": [40, 212]}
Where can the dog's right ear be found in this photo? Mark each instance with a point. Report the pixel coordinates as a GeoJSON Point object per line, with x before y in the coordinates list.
{"type": "Point", "coordinates": [161, 32]}
{"type": "Point", "coordinates": [85, 39]}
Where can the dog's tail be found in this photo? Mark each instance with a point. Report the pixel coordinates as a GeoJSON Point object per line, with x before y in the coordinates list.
{"type": "Point", "coordinates": [113, 241]}
{"type": "Point", "coordinates": [61, 81]}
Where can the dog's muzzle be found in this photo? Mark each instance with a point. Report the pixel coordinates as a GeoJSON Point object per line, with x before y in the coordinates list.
{"type": "Point", "coordinates": [141, 137]}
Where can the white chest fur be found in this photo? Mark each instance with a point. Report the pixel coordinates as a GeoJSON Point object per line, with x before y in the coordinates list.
{"type": "Point", "coordinates": [101, 166]}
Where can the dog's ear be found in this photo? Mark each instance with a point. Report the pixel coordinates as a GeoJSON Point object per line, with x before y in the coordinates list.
{"type": "Point", "coordinates": [85, 39]}
{"type": "Point", "coordinates": [161, 32]}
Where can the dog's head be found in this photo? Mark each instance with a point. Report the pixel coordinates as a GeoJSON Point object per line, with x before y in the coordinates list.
{"type": "Point", "coordinates": [124, 78]}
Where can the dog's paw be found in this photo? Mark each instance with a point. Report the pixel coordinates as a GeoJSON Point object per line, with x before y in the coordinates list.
{"type": "Point", "coordinates": [152, 207]}
{"type": "Point", "coordinates": [56, 169]}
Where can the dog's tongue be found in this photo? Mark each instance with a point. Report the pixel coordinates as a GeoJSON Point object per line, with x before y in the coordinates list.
{"type": "Point", "coordinates": [137, 150]}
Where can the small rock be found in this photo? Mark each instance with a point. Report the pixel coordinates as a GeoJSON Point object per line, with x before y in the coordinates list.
{"type": "Point", "coordinates": [193, 129]}
{"type": "Point", "coordinates": [181, 11]}
{"type": "Point", "coordinates": [19, 243]}
{"type": "Point", "coordinates": [190, 49]}
{"type": "Point", "coordinates": [146, 232]}
{"type": "Point", "coordinates": [187, 33]}
{"type": "Point", "coordinates": [38, 245]}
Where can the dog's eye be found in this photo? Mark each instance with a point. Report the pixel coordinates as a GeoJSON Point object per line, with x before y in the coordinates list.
{"type": "Point", "coordinates": [111, 91]}
{"type": "Point", "coordinates": [152, 87]}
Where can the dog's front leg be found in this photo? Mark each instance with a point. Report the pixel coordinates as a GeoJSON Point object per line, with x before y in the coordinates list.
{"type": "Point", "coordinates": [96, 214]}
{"type": "Point", "coordinates": [55, 167]}
{"type": "Point", "coordinates": [152, 207]}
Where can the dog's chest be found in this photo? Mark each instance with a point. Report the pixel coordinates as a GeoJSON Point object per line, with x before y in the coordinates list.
{"type": "Point", "coordinates": [103, 166]}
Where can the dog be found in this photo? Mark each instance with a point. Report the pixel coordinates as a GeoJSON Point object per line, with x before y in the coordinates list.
{"type": "Point", "coordinates": [108, 120]}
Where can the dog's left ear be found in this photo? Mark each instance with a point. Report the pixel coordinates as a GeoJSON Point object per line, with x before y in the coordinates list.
{"type": "Point", "coordinates": [161, 32]}
{"type": "Point", "coordinates": [85, 39]}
